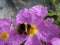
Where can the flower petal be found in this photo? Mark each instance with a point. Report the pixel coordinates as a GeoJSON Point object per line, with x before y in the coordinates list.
{"type": "Point", "coordinates": [36, 20]}
{"type": "Point", "coordinates": [49, 20]}
{"type": "Point", "coordinates": [48, 43]}
{"type": "Point", "coordinates": [33, 41]}
{"type": "Point", "coordinates": [3, 43]}
{"type": "Point", "coordinates": [55, 41]}
{"type": "Point", "coordinates": [49, 32]}
{"type": "Point", "coordinates": [40, 36]}
{"type": "Point", "coordinates": [5, 24]}
{"type": "Point", "coordinates": [23, 16]}
{"type": "Point", "coordinates": [39, 10]}
{"type": "Point", "coordinates": [17, 38]}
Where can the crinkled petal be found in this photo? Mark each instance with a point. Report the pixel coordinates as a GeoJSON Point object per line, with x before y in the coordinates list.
{"type": "Point", "coordinates": [36, 20]}
{"type": "Point", "coordinates": [23, 16]}
{"type": "Point", "coordinates": [17, 38]}
{"type": "Point", "coordinates": [5, 24]}
{"type": "Point", "coordinates": [49, 20]}
{"type": "Point", "coordinates": [40, 36]}
{"type": "Point", "coordinates": [33, 41]}
{"type": "Point", "coordinates": [39, 10]}
{"type": "Point", "coordinates": [31, 15]}
{"type": "Point", "coordinates": [55, 41]}
{"type": "Point", "coordinates": [49, 32]}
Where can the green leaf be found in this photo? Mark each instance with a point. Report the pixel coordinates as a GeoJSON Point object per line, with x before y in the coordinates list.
{"type": "Point", "coordinates": [53, 1]}
{"type": "Point", "coordinates": [58, 10]}
{"type": "Point", "coordinates": [57, 21]}
{"type": "Point", "coordinates": [51, 13]}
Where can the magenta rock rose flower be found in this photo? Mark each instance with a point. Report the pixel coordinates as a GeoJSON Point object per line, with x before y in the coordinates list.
{"type": "Point", "coordinates": [32, 28]}
{"type": "Point", "coordinates": [6, 35]}
{"type": "Point", "coordinates": [5, 31]}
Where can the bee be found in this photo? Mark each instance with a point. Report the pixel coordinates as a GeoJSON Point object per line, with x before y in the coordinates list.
{"type": "Point", "coordinates": [23, 28]}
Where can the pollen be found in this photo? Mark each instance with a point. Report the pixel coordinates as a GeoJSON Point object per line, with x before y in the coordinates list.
{"type": "Point", "coordinates": [4, 35]}
{"type": "Point", "coordinates": [32, 30]}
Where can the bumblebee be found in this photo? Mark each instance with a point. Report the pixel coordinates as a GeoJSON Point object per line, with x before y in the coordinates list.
{"type": "Point", "coordinates": [23, 28]}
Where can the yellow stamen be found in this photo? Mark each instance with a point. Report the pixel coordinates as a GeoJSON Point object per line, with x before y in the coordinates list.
{"type": "Point", "coordinates": [4, 35]}
{"type": "Point", "coordinates": [32, 30]}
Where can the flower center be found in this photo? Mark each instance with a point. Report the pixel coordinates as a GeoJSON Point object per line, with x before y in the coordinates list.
{"type": "Point", "coordinates": [32, 30]}
{"type": "Point", "coordinates": [4, 35]}
{"type": "Point", "coordinates": [26, 29]}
